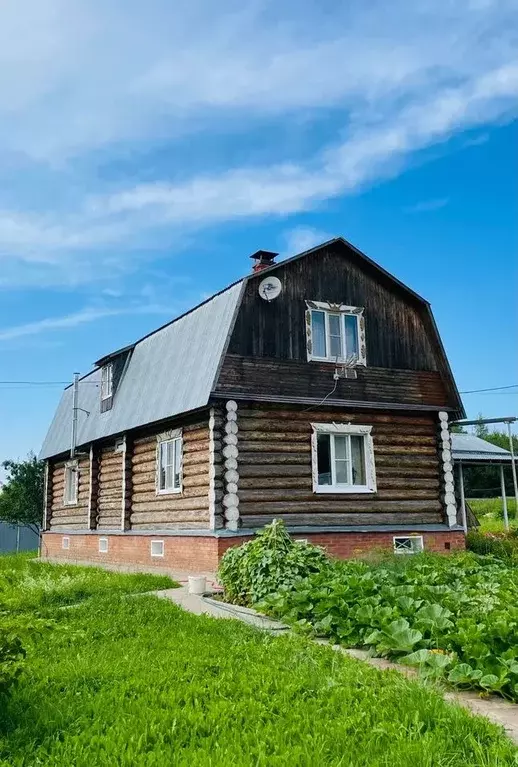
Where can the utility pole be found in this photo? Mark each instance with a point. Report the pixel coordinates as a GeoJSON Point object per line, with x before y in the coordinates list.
{"type": "Point", "coordinates": [513, 463]}
{"type": "Point", "coordinates": [73, 437]}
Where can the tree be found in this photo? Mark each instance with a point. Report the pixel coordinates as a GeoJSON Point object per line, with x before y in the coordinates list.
{"type": "Point", "coordinates": [21, 498]}
{"type": "Point", "coordinates": [481, 429]}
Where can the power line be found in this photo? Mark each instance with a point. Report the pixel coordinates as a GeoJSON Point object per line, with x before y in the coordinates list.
{"type": "Point", "coordinates": [494, 388]}
{"type": "Point", "coordinates": [44, 383]}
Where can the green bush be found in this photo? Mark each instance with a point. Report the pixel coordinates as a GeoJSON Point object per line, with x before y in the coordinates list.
{"type": "Point", "coordinates": [250, 572]}
{"type": "Point", "coordinates": [501, 545]}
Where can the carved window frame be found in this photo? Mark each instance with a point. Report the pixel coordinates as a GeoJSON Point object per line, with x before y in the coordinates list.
{"type": "Point", "coordinates": [343, 309]}
{"type": "Point", "coordinates": [173, 435]}
{"type": "Point", "coordinates": [71, 469]}
{"type": "Point", "coordinates": [370, 486]}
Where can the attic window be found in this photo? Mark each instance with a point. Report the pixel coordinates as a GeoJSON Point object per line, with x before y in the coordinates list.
{"type": "Point", "coordinates": [107, 381]}
{"type": "Point", "coordinates": [335, 333]}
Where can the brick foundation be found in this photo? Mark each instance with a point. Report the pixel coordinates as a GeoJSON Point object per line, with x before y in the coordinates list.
{"type": "Point", "coordinates": [201, 553]}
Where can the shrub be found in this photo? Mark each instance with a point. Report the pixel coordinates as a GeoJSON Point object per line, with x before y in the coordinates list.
{"type": "Point", "coordinates": [501, 545]}
{"type": "Point", "coordinates": [250, 572]}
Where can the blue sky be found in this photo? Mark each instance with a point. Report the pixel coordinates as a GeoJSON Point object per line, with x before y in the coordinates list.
{"type": "Point", "coordinates": [147, 150]}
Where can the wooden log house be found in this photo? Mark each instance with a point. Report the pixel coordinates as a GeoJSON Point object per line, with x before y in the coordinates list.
{"type": "Point", "coordinates": [315, 390]}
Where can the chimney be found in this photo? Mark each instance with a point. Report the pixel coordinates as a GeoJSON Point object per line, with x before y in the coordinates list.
{"type": "Point", "coordinates": [263, 259]}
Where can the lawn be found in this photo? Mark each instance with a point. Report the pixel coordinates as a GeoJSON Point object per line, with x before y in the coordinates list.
{"type": "Point", "coordinates": [111, 678]}
{"type": "Point", "coordinates": [490, 515]}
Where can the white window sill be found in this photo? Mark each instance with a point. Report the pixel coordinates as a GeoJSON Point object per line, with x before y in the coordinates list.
{"type": "Point", "coordinates": [342, 489]}
{"type": "Point", "coordinates": [70, 503]}
{"type": "Point", "coordinates": [175, 491]}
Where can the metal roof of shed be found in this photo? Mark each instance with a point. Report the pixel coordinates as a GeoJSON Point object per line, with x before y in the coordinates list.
{"type": "Point", "coordinates": [471, 449]}
{"type": "Point", "coordinates": [170, 371]}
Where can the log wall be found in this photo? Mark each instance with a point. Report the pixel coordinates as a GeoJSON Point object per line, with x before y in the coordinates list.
{"type": "Point", "coordinates": [274, 466]}
{"type": "Point", "coordinates": [188, 509]}
{"type": "Point", "coordinates": [68, 517]}
{"type": "Point", "coordinates": [109, 491]}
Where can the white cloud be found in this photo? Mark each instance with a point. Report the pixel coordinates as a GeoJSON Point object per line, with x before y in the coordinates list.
{"type": "Point", "coordinates": [81, 317]}
{"type": "Point", "coordinates": [302, 238]}
{"type": "Point", "coordinates": [93, 82]}
{"type": "Point", "coordinates": [427, 206]}
{"type": "Point", "coordinates": [364, 155]}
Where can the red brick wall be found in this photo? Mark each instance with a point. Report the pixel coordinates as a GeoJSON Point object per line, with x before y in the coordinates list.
{"type": "Point", "coordinates": [201, 553]}
{"type": "Point", "coordinates": [347, 545]}
{"type": "Point", "coordinates": [181, 553]}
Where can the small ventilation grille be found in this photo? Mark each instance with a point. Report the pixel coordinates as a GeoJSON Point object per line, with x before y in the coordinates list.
{"type": "Point", "coordinates": [157, 548]}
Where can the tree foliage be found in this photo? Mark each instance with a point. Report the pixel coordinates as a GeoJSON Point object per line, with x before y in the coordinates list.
{"type": "Point", "coordinates": [21, 498]}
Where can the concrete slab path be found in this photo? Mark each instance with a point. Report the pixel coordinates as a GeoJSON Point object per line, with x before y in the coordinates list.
{"type": "Point", "coordinates": [496, 709]}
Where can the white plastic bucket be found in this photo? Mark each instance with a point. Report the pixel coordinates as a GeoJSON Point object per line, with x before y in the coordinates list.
{"type": "Point", "coordinates": [197, 584]}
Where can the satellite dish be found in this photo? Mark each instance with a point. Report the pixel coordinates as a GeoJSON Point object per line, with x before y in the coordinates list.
{"type": "Point", "coordinates": [270, 288]}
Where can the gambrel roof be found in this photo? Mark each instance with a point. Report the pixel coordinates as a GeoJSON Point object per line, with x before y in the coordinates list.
{"type": "Point", "coordinates": [174, 369]}
{"type": "Point", "coordinates": [170, 371]}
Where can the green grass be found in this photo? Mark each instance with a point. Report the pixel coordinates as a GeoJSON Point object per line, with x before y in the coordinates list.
{"type": "Point", "coordinates": [137, 683]}
{"type": "Point", "coordinates": [490, 515]}
{"type": "Point", "coordinates": [26, 584]}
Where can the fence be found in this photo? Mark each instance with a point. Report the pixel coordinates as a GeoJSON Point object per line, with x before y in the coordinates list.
{"type": "Point", "coordinates": [15, 538]}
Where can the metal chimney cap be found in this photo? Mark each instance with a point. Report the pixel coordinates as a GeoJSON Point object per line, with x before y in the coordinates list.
{"type": "Point", "coordinates": [264, 255]}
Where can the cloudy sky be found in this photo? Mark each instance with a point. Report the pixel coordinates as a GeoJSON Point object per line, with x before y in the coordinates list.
{"type": "Point", "coordinates": [146, 149]}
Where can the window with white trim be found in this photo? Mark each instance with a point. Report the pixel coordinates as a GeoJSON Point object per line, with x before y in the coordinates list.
{"type": "Point", "coordinates": [169, 464]}
{"type": "Point", "coordinates": [342, 459]}
{"type": "Point", "coordinates": [71, 484]}
{"type": "Point", "coordinates": [107, 381]}
{"type": "Point", "coordinates": [65, 542]}
{"type": "Point", "coordinates": [335, 333]}
{"type": "Point", "coordinates": [408, 544]}
{"type": "Point", "coordinates": [157, 548]}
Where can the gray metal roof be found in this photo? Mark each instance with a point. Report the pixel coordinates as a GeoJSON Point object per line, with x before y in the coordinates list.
{"type": "Point", "coordinates": [468, 448]}
{"type": "Point", "coordinates": [170, 371]}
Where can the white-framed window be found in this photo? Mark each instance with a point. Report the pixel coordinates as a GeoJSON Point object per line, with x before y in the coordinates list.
{"type": "Point", "coordinates": [335, 333]}
{"type": "Point", "coordinates": [103, 545]}
{"type": "Point", "coordinates": [169, 462]}
{"type": "Point", "coordinates": [157, 548]}
{"type": "Point", "coordinates": [71, 484]}
{"type": "Point", "coordinates": [65, 542]}
{"type": "Point", "coordinates": [408, 544]}
{"type": "Point", "coordinates": [342, 457]}
{"type": "Point", "coordinates": [107, 381]}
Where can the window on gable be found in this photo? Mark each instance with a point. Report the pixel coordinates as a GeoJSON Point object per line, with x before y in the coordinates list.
{"type": "Point", "coordinates": [335, 333]}
{"type": "Point", "coordinates": [71, 484]}
{"type": "Point", "coordinates": [107, 381]}
{"type": "Point", "coordinates": [169, 465]}
{"type": "Point", "coordinates": [343, 459]}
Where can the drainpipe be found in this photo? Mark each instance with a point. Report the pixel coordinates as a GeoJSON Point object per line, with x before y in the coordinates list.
{"type": "Point", "coordinates": [73, 437]}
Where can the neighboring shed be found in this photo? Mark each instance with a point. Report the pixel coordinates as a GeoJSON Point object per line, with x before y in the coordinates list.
{"type": "Point", "coordinates": [469, 450]}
